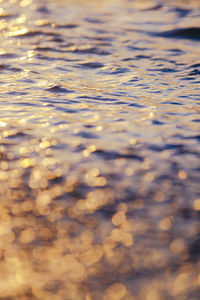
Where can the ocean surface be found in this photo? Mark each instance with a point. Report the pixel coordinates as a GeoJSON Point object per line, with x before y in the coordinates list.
{"type": "Point", "coordinates": [99, 150]}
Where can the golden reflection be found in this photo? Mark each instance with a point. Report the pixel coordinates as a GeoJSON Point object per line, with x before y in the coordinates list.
{"type": "Point", "coordinates": [177, 246]}
{"type": "Point", "coordinates": [24, 3]}
{"type": "Point", "coordinates": [115, 292]}
{"type": "Point", "coordinates": [196, 204]}
{"type": "Point", "coordinates": [149, 177]}
{"type": "Point", "coordinates": [2, 124]}
{"type": "Point", "coordinates": [27, 162]}
{"type": "Point", "coordinates": [182, 175]}
{"type": "Point", "coordinates": [119, 218]}
{"type": "Point", "coordinates": [115, 215]}
{"type": "Point", "coordinates": [165, 223]}
{"type": "Point", "coordinates": [21, 19]}
{"type": "Point", "coordinates": [17, 31]}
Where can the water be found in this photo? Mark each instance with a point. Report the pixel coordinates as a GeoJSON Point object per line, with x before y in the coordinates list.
{"type": "Point", "coordinates": [99, 148]}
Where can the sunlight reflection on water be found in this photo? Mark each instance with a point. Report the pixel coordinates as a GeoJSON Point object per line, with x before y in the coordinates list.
{"type": "Point", "coordinates": [99, 150]}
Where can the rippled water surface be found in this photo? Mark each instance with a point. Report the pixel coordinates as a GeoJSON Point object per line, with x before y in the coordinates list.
{"type": "Point", "coordinates": [99, 150]}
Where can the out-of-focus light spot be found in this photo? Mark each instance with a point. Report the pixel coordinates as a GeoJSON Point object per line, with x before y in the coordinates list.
{"type": "Point", "coordinates": [43, 199]}
{"type": "Point", "coordinates": [151, 115]}
{"type": "Point", "coordinates": [95, 200]}
{"type": "Point", "coordinates": [165, 224]}
{"type": "Point", "coordinates": [92, 148]}
{"type": "Point", "coordinates": [127, 226]}
{"type": "Point", "coordinates": [44, 144]}
{"type": "Point", "coordinates": [2, 124]}
{"type": "Point", "coordinates": [182, 175]}
{"type": "Point", "coordinates": [27, 236]}
{"type": "Point", "coordinates": [76, 130]}
{"type": "Point", "coordinates": [116, 234]}
{"type": "Point", "coordinates": [118, 218]}
{"type": "Point", "coordinates": [149, 177]}
{"type": "Point", "coordinates": [132, 141]}
{"type": "Point", "coordinates": [30, 53]}
{"type": "Point", "coordinates": [4, 165]}
{"type": "Point", "coordinates": [86, 153]}
{"type": "Point", "coordinates": [196, 204]}
{"type": "Point", "coordinates": [3, 176]}
{"type": "Point", "coordinates": [181, 283]}
{"type": "Point", "coordinates": [159, 197]}
{"type": "Point", "coordinates": [89, 150]}
{"type": "Point", "coordinates": [93, 172]}
{"type": "Point", "coordinates": [21, 19]}
{"type": "Point", "coordinates": [27, 205]}
{"type": "Point", "coordinates": [27, 162]}
{"type": "Point", "coordinates": [7, 133]}
{"type": "Point", "coordinates": [198, 280]}
{"type": "Point", "coordinates": [88, 297]}
{"type": "Point", "coordinates": [152, 294]}
{"type": "Point", "coordinates": [87, 238]}
{"type": "Point", "coordinates": [177, 246]}
{"type": "Point", "coordinates": [99, 128]}
{"type": "Point", "coordinates": [3, 25]}
{"type": "Point", "coordinates": [129, 171]}
{"type": "Point", "coordinates": [19, 278]}
{"type": "Point", "coordinates": [24, 3]}
{"type": "Point", "coordinates": [127, 239]}
{"type": "Point", "coordinates": [100, 181]}
{"type": "Point", "coordinates": [115, 292]}
{"type": "Point", "coordinates": [23, 150]}
{"type": "Point", "coordinates": [92, 255]}
{"type": "Point", "coordinates": [4, 228]}
{"type": "Point", "coordinates": [37, 174]}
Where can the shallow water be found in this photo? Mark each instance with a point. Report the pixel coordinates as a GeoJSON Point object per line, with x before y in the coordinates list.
{"type": "Point", "coordinates": [99, 149]}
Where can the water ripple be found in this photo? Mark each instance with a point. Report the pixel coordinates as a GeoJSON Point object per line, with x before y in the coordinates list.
{"type": "Point", "coordinates": [99, 150]}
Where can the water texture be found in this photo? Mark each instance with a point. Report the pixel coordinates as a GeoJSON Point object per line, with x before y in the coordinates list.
{"type": "Point", "coordinates": [99, 150]}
